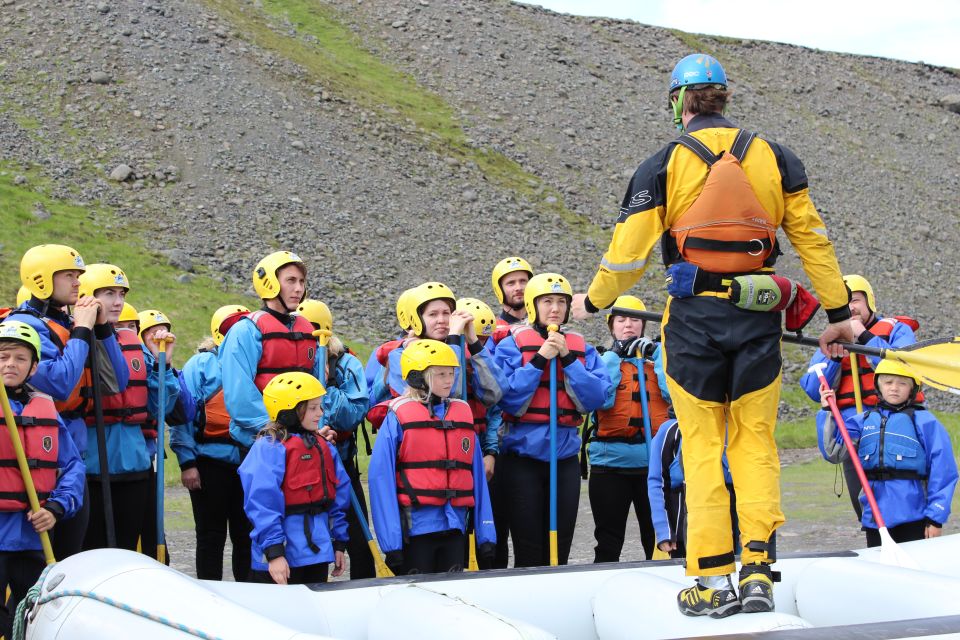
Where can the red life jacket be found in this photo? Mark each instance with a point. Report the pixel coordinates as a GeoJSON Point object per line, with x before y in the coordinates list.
{"type": "Point", "coordinates": [383, 351]}
{"type": "Point", "coordinates": [623, 422]}
{"type": "Point", "coordinates": [72, 406]}
{"type": "Point", "coordinates": [435, 460]}
{"type": "Point", "coordinates": [130, 405]}
{"type": "Point", "coordinates": [284, 349]}
{"type": "Point", "coordinates": [37, 425]}
{"type": "Point", "coordinates": [846, 395]}
{"type": "Point", "coordinates": [529, 342]}
{"type": "Point", "coordinates": [378, 412]}
{"type": "Point", "coordinates": [310, 478]}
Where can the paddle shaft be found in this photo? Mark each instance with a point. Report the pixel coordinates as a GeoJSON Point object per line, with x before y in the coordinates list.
{"type": "Point", "coordinates": [852, 452]}
{"type": "Point", "coordinates": [383, 571]}
{"type": "Point", "coordinates": [644, 404]}
{"type": "Point", "coordinates": [554, 555]}
{"type": "Point", "coordinates": [161, 423]}
{"type": "Point", "coordinates": [105, 488]}
{"type": "Point", "coordinates": [855, 376]}
{"type": "Point", "coordinates": [10, 420]}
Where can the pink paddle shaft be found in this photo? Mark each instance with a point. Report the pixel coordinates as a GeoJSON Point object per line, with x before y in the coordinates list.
{"type": "Point", "coordinates": [854, 456]}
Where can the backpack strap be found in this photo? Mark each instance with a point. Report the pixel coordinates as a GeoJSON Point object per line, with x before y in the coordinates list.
{"type": "Point", "coordinates": [701, 150]}
{"type": "Point", "coordinates": [741, 144]}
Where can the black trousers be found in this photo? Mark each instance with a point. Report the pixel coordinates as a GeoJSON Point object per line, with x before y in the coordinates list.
{"type": "Point", "coordinates": [526, 483]}
{"type": "Point", "coordinates": [309, 574]}
{"type": "Point", "coordinates": [361, 559]}
{"type": "Point", "coordinates": [501, 519]}
{"type": "Point", "coordinates": [217, 505]}
{"type": "Point", "coordinates": [901, 533]}
{"type": "Point", "coordinates": [611, 494]}
{"type": "Point", "coordinates": [130, 500]}
{"type": "Point", "coordinates": [440, 552]}
{"type": "Point", "coordinates": [19, 570]}
{"type": "Point", "coordinates": [67, 537]}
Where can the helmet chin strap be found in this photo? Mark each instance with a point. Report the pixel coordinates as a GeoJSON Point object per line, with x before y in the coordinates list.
{"type": "Point", "coordinates": [678, 109]}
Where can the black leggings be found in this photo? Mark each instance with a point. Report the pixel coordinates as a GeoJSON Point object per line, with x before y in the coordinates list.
{"type": "Point", "coordinates": [501, 520]}
{"type": "Point", "coordinates": [901, 533]}
{"type": "Point", "coordinates": [361, 560]}
{"type": "Point", "coordinates": [309, 574]}
{"type": "Point", "coordinates": [67, 537]}
{"type": "Point", "coordinates": [440, 552]}
{"type": "Point", "coordinates": [130, 500]}
{"type": "Point", "coordinates": [217, 504]}
{"type": "Point", "coordinates": [19, 570]}
{"type": "Point", "coordinates": [611, 494]}
{"type": "Point", "coordinates": [526, 485]}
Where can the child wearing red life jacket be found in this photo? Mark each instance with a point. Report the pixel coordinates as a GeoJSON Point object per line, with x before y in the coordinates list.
{"type": "Point", "coordinates": [55, 463]}
{"type": "Point", "coordinates": [524, 462]}
{"type": "Point", "coordinates": [295, 490]}
{"type": "Point", "coordinates": [426, 472]}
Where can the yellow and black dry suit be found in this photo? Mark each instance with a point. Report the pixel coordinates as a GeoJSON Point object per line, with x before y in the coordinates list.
{"type": "Point", "coordinates": [723, 363]}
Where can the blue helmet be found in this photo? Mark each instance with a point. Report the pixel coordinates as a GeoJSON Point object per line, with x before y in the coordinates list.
{"type": "Point", "coordinates": [697, 69]}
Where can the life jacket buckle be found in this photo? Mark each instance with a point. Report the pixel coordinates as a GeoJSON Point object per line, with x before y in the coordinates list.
{"type": "Point", "coordinates": [760, 250]}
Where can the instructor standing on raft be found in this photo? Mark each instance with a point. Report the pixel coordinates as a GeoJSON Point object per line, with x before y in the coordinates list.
{"type": "Point", "coordinates": [715, 198]}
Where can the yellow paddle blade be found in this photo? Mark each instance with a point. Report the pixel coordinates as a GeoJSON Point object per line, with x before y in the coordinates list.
{"type": "Point", "coordinates": [472, 555]}
{"type": "Point", "coordinates": [660, 555]}
{"type": "Point", "coordinates": [936, 362]}
{"type": "Point", "coordinates": [383, 571]}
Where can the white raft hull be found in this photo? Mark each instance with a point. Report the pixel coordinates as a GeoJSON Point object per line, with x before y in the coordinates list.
{"type": "Point", "coordinates": [818, 596]}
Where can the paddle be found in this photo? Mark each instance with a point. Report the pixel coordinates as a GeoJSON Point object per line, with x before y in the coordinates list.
{"type": "Point", "coordinates": [471, 536]}
{"type": "Point", "coordinates": [890, 552]}
{"type": "Point", "coordinates": [161, 442]}
{"type": "Point", "coordinates": [9, 418]}
{"type": "Point", "coordinates": [105, 488]}
{"type": "Point", "coordinates": [855, 376]}
{"type": "Point", "coordinates": [554, 560]}
{"type": "Point", "coordinates": [936, 362]}
{"type": "Point", "coordinates": [383, 571]}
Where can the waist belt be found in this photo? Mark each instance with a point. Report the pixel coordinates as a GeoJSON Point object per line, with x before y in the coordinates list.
{"type": "Point", "coordinates": [892, 474]}
{"type": "Point", "coordinates": [718, 284]}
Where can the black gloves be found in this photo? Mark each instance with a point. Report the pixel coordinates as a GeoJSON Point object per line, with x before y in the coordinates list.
{"type": "Point", "coordinates": [642, 347]}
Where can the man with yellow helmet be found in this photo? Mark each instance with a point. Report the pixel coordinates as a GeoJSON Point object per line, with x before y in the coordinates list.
{"type": "Point", "coordinates": [716, 198]}
{"type": "Point", "coordinates": [269, 341]}
{"type": "Point", "coordinates": [51, 273]}
{"type": "Point", "coordinates": [870, 329]}
{"type": "Point", "coordinates": [509, 278]}
{"type": "Point", "coordinates": [905, 452]}
{"type": "Point", "coordinates": [209, 458]}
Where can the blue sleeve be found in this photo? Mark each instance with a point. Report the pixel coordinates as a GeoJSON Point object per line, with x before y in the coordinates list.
{"type": "Point", "coordinates": [487, 380]}
{"type": "Point", "coordinates": [375, 372]}
{"type": "Point", "coordinates": [371, 369]}
{"type": "Point", "coordinates": [381, 476]}
{"type": "Point", "coordinates": [655, 493]}
{"type": "Point", "coordinates": [491, 437]}
{"type": "Point", "coordinates": [661, 373]}
{"type": "Point", "coordinates": [261, 475]}
{"type": "Point", "coordinates": [589, 382]}
{"type": "Point", "coordinates": [68, 492]}
{"type": "Point", "coordinates": [57, 373]}
{"type": "Point", "coordinates": [828, 441]}
{"type": "Point", "coordinates": [341, 504]}
{"type": "Point", "coordinates": [941, 467]}
{"type": "Point", "coordinates": [170, 383]}
{"type": "Point", "coordinates": [239, 356]}
{"type": "Point", "coordinates": [117, 361]}
{"type": "Point", "coordinates": [612, 362]}
{"type": "Point", "coordinates": [482, 509]}
{"type": "Point", "coordinates": [396, 381]}
{"type": "Point", "coordinates": [522, 379]}
{"type": "Point", "coordinates": [346, 401]}
{"type": "Point", "coordinates": [195, 380]}
{"type": "Point", "coordinates": [182, 436]}
{"type": "Point", "coordinates": [901, 336]}
{"type": "Point", "coordinates": [810, 383]}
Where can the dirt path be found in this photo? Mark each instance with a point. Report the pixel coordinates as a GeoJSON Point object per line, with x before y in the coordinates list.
{"type": "Point", "coordinates": [816, 520]}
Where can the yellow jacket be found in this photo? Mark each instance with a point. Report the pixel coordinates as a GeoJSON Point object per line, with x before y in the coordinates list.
{"type": "Point", "coordinates": [667, 183]}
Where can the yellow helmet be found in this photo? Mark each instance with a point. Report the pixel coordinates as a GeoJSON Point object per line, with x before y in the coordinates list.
{"type": "Point", "coordinates": [544, 284]}
{"type": "Point", "coordinates": [317, 313]}
{"type": "Point", "coordinates": [286, 390]}
{"type": "Point", "coordinates": [502, 268]}
{"type": "Point", "coordinates": [151, 318]}
{"type": "Point", "coordinates": [21, 332]}
{"type": "Point", "coordinates": [625, 306]}
{"type": "Point", "coordinates": [265, 281]}
{"type": "Point", "coordinates": [403, 311]}
{"type": "Point", "coordinates": [483, 319]}
{"type": "Point", "coordinates": [418, 356]}
{"type": "Point", "coordinates": [23, 294]}
{"type": "Point", "coordinates": [859, 283]}
{"type": "Point", "coordinates": [421, 295]}
{"type": "Point", "coordinates": [894, 368]}
{"type": "Point", "coordinates": [102, 276]}
{"type": "Point", "coordinates": [128, 314]}
{"type": "Point", "coordinates": [221, 314]}
{"type": "Point", "coordinates": [39, 263]}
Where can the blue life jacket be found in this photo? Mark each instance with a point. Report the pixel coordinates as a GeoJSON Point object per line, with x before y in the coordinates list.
{"type": "Point", "coordinates": [890, 446]}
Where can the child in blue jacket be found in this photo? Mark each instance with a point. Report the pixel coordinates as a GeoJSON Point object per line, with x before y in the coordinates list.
{"type": "Point", "coordinates": [295, 489]}
{"type": "Point", "coordinates": [906, 455]}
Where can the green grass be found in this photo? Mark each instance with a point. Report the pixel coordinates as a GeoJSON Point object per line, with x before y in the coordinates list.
{"type": "Point", "coordinates": [99, 236]}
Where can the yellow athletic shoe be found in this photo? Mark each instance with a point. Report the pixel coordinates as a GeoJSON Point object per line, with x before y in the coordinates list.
{"type": "Point", "coordinates": [701, 601]}
{"type": "Point", "coordinates": [756, 589]}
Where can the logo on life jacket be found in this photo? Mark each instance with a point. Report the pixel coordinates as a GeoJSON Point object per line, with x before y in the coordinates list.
{"type": "Point", "coordinates": [465, 445]}
{"type": "Point", "coordinates": [311, 352]}
{"type": "Point", "coordinates": [47, 443]}
{"type": "Point", "coordinates": [135, 364]}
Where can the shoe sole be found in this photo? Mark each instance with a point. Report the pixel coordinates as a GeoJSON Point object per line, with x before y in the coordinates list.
{"type": "Point", "coordinates": [723, 612]}
{"type": "Point", "coordinates": [756, 605]}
